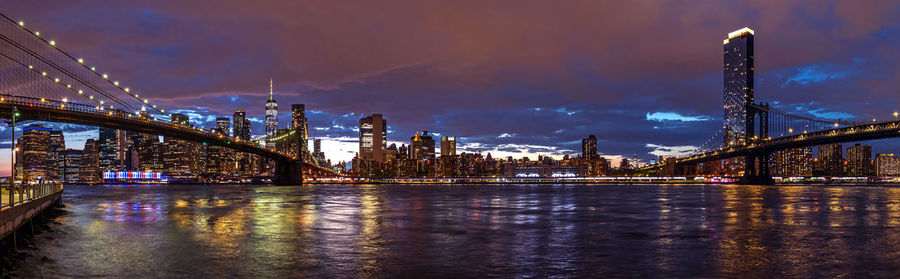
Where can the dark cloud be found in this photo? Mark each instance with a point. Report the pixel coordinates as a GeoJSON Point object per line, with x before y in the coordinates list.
{"type": "Point", "coordinates": [549, 72]}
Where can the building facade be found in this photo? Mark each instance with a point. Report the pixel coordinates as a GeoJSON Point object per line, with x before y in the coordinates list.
{"type": "Point", "coordinates": [738, 77]}
{"type": "Point", "coordinates": [859, 160]}
{"type": "Point", "coordinates": [34, 146]}
{"type": "Point", "coordinates": [372, 138]}
{"type": "Point", "coordinates": [271, 116]}
{"type": "Point", "coordinates": [831, 159]}
{"type": "Point", "coordinates": [448, 146]}
{"type": "Point", "coordinates": [589, 148]}
{"type": "Point", "coordinates": [241, 125]}
{"type": "Point", "coordinates": [792, 162]}
{"type": "Point", "coordinates": [112, 146]}
{"type": "Point", "coordinates": [886, 164]}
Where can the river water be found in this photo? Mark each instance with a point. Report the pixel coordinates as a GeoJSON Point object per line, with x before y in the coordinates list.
{"type": "Point", "coordinates": [465, 231]}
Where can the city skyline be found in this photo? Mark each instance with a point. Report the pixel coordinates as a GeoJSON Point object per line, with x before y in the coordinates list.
{"type": "Point", "coordinates": [847, 51]}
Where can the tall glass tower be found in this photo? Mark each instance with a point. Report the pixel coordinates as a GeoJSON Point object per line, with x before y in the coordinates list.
{"type": "Point", "coordinates": [738, 70]}
{"type": "Point", "coordinates": [271, 117]}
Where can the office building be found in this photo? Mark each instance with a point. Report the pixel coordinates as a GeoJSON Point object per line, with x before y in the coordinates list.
{"type": "Point", "coordinates": [886, 164]}
{"type": "Point", "coordinates": [317, 151]}
{"type": "Point", "coordinates": [57, 145]}
{"type": "Point", "coordinates": [421, 147]}
{"type": "Point", "coordinates": [90, 163]}
{"type": "Point", "coordinates": [241, 125]}
{"type": "Point", "coordinates": [448, 146]}
{"type": "Point", "coordinates": [34, 147]}
{"type": "Point", "coordinates": [112, 145]}
{"type": "Point", "coordinates": [223, 126]}
{"type": "Point", "coordinates": [589, 148]}
{"type": "Point", "coordinates": [299, 122]}
{"type": "Point", "coordinates": [70, 167]}
{"type": "Point", "coordinates": [372, 137]}
{"type": "Point", "coordinates": [271, 117]}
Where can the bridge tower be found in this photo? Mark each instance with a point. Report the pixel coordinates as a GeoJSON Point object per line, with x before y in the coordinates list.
{"type": "Point", "coordinates": [290, 171]}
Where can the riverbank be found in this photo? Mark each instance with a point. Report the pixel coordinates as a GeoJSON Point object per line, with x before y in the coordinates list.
{"type": "Point", "coordinates": [15, 249]}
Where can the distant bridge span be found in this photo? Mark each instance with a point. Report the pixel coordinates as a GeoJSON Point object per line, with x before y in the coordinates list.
{"type": "Point", "coordinates": [757, 150]}
{"type": "Point", "coordinates": [879, 130]}
{"type": "Point", "coordinates": [287, 170]}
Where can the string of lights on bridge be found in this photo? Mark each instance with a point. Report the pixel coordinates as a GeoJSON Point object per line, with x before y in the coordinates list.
{"type": "Point", "coordinates": [81, 61]}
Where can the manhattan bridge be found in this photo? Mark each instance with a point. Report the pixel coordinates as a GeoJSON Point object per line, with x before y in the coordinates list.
{"type": "Point", "coordinates": [40, 81]}
{"type": "Point", "coordinates": [754, 131]}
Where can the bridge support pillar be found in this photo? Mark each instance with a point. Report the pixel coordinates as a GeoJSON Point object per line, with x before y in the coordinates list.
{"type": "Point", "coordinates": [756, 170]}
{"type": "Point", "coordinates": [288, 173]}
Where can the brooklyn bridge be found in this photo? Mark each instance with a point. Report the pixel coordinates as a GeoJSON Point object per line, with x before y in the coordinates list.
{"type": "Point", "coordinates": [40, 81]}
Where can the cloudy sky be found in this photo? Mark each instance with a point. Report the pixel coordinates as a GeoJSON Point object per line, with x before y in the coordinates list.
{"type": "Point", "coordinates": [507, 77]}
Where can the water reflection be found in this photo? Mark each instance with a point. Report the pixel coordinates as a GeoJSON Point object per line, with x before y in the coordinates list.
{"type": "Point", "coordinates": [475, 231]}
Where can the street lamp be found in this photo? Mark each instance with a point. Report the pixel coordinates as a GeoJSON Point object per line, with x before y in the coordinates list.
{"type": "Point", "coordinates": [12, 153]}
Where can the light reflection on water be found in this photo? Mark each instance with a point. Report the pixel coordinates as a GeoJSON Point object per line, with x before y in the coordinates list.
{"type": "Point", "coordinates": [474, 231]}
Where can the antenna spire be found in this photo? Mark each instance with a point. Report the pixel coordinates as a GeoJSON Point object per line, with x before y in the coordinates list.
{"type": "Point", "coordinates": [271, 92]}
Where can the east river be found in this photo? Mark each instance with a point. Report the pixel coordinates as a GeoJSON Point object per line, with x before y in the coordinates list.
{"type": "Point", "coordinates": [471, 231]}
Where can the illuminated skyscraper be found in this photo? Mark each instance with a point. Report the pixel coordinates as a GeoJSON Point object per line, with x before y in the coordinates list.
{"type": "Point", "coordinates": [372, 137]}
{"type": "Point", "coordinates": [181, 157]}
{"type": "Point", "coordinates": [223, 125]}
{"type": "Point", "coordinates": [299, 124]}
{"type": "Point", "coordinates": [738, 70]}
{"type": "Point", "coordinates": [589, 148]}
{"type": "Point", "coordinates": [54, 153]}
{"type": "Point", "coordinates": [298, 120]}
{"type": "Point", "coordinates": [448, 146]}
{"type": "Point", "coordinates": [421, 147]}
{"type": "Point", "coordinates": [89, 166]}
{"type": "Point", "coordinates": [241, 125]}
{"type": "Point", "coordinates": [35, 142]}
{"type": "Point", "coordinates": [271, 116]}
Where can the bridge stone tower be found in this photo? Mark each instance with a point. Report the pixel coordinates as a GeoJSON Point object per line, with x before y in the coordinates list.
{"type": "Point", "coordinates": [290, 171]}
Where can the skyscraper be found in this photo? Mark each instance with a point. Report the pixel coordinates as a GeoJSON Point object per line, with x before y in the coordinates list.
{"type": "Point", "coordinates": [448, 146]}
{"type": "Point", "coordinates": [89, 171]}
{"type": "Point", "coordinates": [859, 160]}
{"type": "Point", "coordinates": [223, 126]}
{"type": "Point", "coordinates": [35, 142]}
{"type": "Point", "coordinates": [589, 148]}
{"type": "Point", "coordinates": [372, 137]}
{"type": "Point", "coordinates": [271, 116]}
{"type": "Point", "coordinates": [112, 146]}
{"type": "Point", "coordinates": [241, 125]}
{"type": "Point", "coordinates": [54, 156]}
{"type": "Point", "coordinates": [318, 154]}
{"type": "Point", "coordinates": [179, 157]}
{"type": "Point", "coordinates": [298, 120]}
{"type": "Point", "coordinates": [421, 147]}
{"type": "Point", "coordinates": [738, 72]}
{"type": "Point", "coordinates": [299, 125]}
